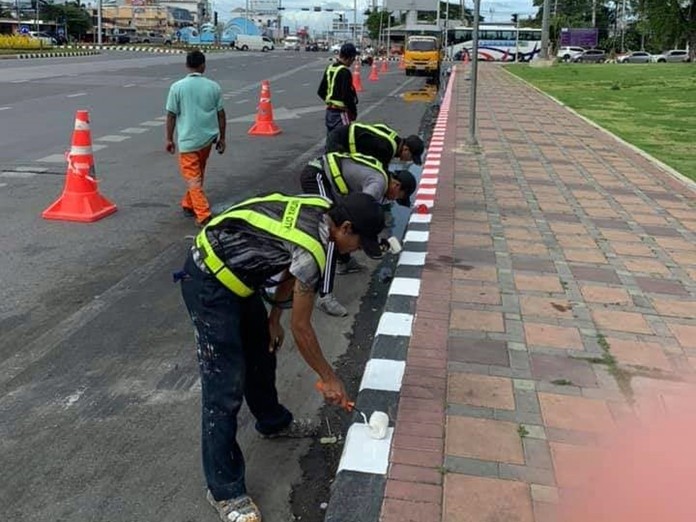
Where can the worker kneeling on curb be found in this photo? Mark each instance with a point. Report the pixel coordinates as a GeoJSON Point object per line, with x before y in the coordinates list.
{"type": "Point", "coordinates": [232, 260]}
{"type": "Point", "coordinates": [338, 174]}
{"type": "Point", "coordinates": [377, 140]}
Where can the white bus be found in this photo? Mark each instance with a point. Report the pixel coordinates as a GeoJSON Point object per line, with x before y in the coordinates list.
{"type": "Point", "coordinates": [503, 43]}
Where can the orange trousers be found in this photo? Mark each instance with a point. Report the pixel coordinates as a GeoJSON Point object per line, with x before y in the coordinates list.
{"type": "Point", "coordinates": [192, 167]}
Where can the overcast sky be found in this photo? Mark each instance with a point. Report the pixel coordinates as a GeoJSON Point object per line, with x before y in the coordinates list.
{"type": "Point", "coordinates": [499, 9]}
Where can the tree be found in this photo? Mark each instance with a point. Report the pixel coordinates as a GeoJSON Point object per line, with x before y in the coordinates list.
{"type": "Point", "coordinates": [376, 20]}
{"type": "Point", "coordinates": [670, 23]}
{"type": "Point", "coordinates": [76, 18]}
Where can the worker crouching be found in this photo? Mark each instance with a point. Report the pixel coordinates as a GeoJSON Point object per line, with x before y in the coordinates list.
{"type": "Point", "coordinates": [238, 254]}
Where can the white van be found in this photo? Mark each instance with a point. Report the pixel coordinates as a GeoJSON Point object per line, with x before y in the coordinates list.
{"type": "Point", "coordinates": [291, 43]}
{"type": "Point", "coordinates": [248, 42]}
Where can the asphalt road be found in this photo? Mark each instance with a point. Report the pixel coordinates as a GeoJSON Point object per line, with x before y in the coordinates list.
{"type": "Point", "coordinates": [99, 391]}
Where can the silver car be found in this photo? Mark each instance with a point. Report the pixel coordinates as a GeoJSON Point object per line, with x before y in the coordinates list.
{"type": "Point", "coordinates": [635, 57]}
{"type": "Point", "coordinates": [673, 56]}
{"type": "Point", "coordinates": [591, 56]}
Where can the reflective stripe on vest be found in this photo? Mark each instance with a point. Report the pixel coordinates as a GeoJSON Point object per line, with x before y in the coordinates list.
{"type": "Point", "coordinates": [337, 176]}
{"type": "Point", "coordinates": [331, 73]}
{"type": "Point", "coordinates": [284, 229]}
{"type": "Point", "coordinates": [378, 130]}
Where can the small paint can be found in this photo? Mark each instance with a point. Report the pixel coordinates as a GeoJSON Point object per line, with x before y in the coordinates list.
{"type": "Point", "coordinates": [379, 422]}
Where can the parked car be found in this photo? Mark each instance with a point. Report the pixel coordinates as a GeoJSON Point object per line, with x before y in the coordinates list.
{"type": "Point", "coordinates": [153, 38]}
{"type": "Point", "coordinates": [567, 54]}
{"type": "Point", "coordinates": [44, 38]}
{"type": "Point", "coordinates": [591, 56]}
{"type": "Point", "coordinates": [312, 47]}
{"type": "Point", "coordinates": [635, 57]}
{"type": "Point", "coordinates": [673, 56]}
{"type": "Point", "coordinates": [248, 42]}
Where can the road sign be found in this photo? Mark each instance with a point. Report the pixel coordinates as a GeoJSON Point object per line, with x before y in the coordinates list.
{"type": "Point", "coordinates": [24, 29]}
{"type": "Point", "coordinates": [178, 34]}
{"type": "Point", "coordinates": [61, 31]}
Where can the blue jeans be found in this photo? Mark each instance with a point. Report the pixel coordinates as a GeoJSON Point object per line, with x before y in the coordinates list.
{"type": "Point", "coordinates": [335, 119]}
{"type": "Point", "coordinates": [232, 341]}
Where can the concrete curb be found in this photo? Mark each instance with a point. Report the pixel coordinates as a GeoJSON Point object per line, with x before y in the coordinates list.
{"type": "Point", "coordinates": [358, 490]}
{"type": "Point", "coordinates": [678, 176]}
{"type": "Point", "coordinates": [158, 50]}
{"type": "Point", "coordinates": [27, 56]}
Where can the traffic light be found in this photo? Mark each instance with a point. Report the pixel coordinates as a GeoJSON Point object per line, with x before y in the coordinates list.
{"type": "Point", "coordinates": [514, 18]}
{"type": "Point", "coordinates": [317, 8]}
{"type": "Point", "coordinates": [215, 18]}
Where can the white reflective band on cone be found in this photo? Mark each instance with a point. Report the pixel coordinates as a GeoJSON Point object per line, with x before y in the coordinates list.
{"type": "Point", "coordinates": [80, 151]}
{"type": "Point", "coordinates": [81, 125]}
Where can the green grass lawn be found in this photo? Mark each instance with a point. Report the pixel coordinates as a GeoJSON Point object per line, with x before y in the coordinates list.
{"type": "Point", "coordinates": [652, 106]}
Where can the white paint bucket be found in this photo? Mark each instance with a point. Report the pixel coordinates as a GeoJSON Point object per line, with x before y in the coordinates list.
{"type": "Point", "coordinates": [379, 422]}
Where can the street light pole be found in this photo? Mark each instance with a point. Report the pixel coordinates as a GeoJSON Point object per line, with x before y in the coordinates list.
{"type": "Point", "coordinates": [355, 21]}
{"type": "Point", "coordinates": [474, 74]}
{"type": "Point", "coordinates": [545, 25]}
{"type": "Point", "coordinates": [99, 22]}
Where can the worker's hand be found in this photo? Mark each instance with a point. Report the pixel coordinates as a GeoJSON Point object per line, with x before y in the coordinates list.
{"type": "Point", "coordinates": [277, 335]}
{"type": "Point", "coordinates": [171, 148]}
{"type": "Point", "coordinates": [220, 146]}
{"type": "Point", "coordinates": [333, 391]}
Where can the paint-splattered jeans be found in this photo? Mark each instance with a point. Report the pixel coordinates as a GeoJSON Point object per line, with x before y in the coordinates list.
{"type": "Point", "coordinates": [232, 340]}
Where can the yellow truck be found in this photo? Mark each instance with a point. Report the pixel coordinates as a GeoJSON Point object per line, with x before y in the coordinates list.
{"type": "Point", "coordinates": [422, 56]}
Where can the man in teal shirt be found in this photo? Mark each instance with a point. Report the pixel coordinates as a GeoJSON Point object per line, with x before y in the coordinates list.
{"type": "Point", "coordinates": [194, 108]}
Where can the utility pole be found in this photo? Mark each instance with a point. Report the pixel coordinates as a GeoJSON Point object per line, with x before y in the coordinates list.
{"type": "Point", "coordinates": [623, 26]}
{"type": "Point", "coordinates": [474, 74]}
{"type": "Point", "coordinates": [355, 21]}
{"type": "Point", "coordinates": [594, 13]}
{"type": "Point", "coordinates": [545, 23]}
{"type": "Point", "coordinates": [99, 22]}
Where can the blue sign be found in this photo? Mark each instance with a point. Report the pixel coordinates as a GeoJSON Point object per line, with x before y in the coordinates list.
{"type": "Point", "coordinates": [24, 29]}
{"type": "Point", "coordinates": [178, 34]}
{"type": "Point", "coordinates": [61, 31]}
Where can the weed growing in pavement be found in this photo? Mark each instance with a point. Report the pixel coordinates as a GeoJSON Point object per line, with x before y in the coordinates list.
{"type": "Point", "coordinates": [522, 431]}
{"type": "Point", "coordinates": [562, 382]}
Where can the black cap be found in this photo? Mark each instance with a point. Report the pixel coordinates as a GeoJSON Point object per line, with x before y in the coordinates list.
{"type": "Point", "coordinates": [348, 50]}
{"type": "Point", "coordinates": [367, 219]}
{"type": "Point", "coordinates": [408, 185]}
{"type": "Point", "coordinates": [415, 145]}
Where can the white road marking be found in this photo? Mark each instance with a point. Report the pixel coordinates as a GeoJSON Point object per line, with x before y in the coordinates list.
{"type": "Point", "coordinates": [5, 108]}
{"type": "Point", "coordinates": [165, 78]}
{"type": "Point", "coordinates": [130, 85]}
{"type": "Point", "coordinates": [412, 258]}
{"type": "Point", "coordinates": [161, 118]}
{"type": "Point", "coordinates": [151, 123]}
{"type": "Point", "coordinates": [113, 138]}
{"type": "Point", "coordinates": [363, 453]}
{"type": "Point", "coordinates": [53, 158]}
{"type": "Point", "coordinates": [95, 148]}
{"type": "Point", "coordinates": [16, 174]}
{"type": "Point", "coordinates": [405, 286]}
{"type": "Point", "coordinates": [75, 95]}
{"type": "Point", "coordinates": [3, 185]}
{"type": "Point", "coordinates": [19, 81]}
{"type": "Point", "coordinates": [242, 101]}
{"type": "Point", "coordinates": [31, 169]}
{"type": "Point", "coordinates": [395, 324]}
{"type": "Point", "coordinates": [134, 130]}
{"type": "Point", "coordinates": [278, 91]}
{"type": "Point", "coordinates": [306, 84]}
{"type": "Point", "coordinates": [420, 218]}
{"type": "Point", "coordinates": [383, 374]}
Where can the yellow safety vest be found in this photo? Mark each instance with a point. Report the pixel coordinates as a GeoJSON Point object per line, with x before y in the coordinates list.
{"type": "Point", "coordinates": [331, 73]}
{"type": "Point", "coordinates": [378, 129]}
{"type": "Point", "coordinates": [332, 159]}
{"type": "Point", "coordinates": [284, 229]}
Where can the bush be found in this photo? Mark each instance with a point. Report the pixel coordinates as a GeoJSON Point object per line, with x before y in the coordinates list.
{"type": "Point", "coordinates": [19, 42]}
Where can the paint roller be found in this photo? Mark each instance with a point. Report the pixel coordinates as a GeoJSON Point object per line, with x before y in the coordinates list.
{"type": "Point", "coordinates": [379, 420]}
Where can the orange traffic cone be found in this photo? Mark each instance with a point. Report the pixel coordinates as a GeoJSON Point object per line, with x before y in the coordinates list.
{"type": "Point", "coordinates": [374, 75]}
{"type": "Point", "coordinates": [385, 66]}
{"type": "Point", "coordinates": [357, 81]}
{"type": "Point", "coordinates": [81, 200]}
{"type": "Point", "coordinates": [265, 126]}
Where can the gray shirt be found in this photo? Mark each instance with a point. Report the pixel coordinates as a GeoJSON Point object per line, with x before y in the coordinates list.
{"type": "Point", "coordinates": [360, 178]}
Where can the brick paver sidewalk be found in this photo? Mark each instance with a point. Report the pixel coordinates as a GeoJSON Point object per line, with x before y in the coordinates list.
{"type": "Point", "coordinates": [560, 282]}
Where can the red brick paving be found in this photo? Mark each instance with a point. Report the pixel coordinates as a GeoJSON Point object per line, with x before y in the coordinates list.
{"type": "Point", "coordinates": [593, 251]}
